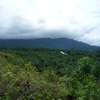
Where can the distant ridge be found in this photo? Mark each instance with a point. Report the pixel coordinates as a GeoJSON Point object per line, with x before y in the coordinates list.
{"type": "Point", "coordinates": [60, 43]}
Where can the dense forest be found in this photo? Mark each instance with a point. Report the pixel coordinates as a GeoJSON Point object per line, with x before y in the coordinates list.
{"type": "Point", "coordinates": [48, 74]}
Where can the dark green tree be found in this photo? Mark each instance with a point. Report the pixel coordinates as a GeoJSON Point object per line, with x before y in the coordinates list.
{"type": "Point", "coordinates": [86, 66]}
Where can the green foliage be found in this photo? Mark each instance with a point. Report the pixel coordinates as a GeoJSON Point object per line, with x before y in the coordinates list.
{"type": "Point", "coordinates": [86, 66]}
{"type": "Point", "coordinates": [25, 83]}
{"type": "Point", "coordinates": [85, 89]}
{"type": "Point", "coordinates": [45, 74]}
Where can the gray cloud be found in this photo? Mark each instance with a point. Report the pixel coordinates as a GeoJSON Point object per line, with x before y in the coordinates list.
{"type": "Point", "coordinates": [41, 21]}
{"type": "Point", "coordinates": [19, 20]}
{"type": "Point", "coordinates": [89, 30]}
{"type": "Point", "coordinates": [20, 28]}
{"type": "Point", "coordinates": [96, 14]}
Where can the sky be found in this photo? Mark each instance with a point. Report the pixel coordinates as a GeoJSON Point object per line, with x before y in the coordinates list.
{"type": "Point", "coordinates": [74, 19]}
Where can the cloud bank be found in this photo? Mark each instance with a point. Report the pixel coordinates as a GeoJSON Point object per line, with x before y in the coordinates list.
{"type": "Point", "coordinates": [76, 19]}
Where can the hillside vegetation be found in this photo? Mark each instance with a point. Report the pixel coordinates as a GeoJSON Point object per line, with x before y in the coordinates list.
{"type": "Point", "coordinates": [57, 43]}
{"type": "Point", "coordinates": [46, 74]}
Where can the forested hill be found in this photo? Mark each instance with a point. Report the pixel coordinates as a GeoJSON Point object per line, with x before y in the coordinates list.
{"type": "Point", "coordinates": [61, 43]}
{"type": "Point", "coordinates": [47, 74]}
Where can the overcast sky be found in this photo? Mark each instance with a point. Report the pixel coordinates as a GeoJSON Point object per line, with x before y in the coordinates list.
{"type": "Point", "coordinates": [75, 19]}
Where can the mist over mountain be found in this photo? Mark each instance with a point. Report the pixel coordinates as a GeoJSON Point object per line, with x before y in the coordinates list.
{"type": "Point", "coordinates": [75, 19]}
{"type": "Point", "coordinates": [60, 43]}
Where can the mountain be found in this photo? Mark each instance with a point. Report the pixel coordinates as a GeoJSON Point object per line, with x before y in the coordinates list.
{"type": "Point", "coordinates": [61, 43]}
